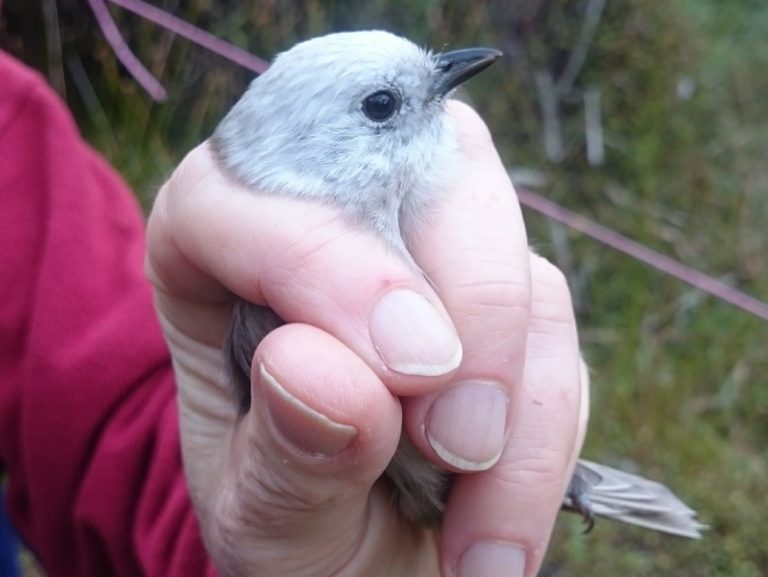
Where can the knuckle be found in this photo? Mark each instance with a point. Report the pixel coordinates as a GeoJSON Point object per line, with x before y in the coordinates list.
{"type": "Point", "coordinates": [473, 131]}
{"type": "Point", "coordinates": [187, 173]}
{"type": "Point", "coordinates": [548, 275]}
{"type": "Point", "coordinates": [551, 295]}
{"type": "Point", "coordinates": [506, 300]}
{"type": "Point", "coordinates": [540, 471]}
{"type": "Point", "coordinates": [259, 499]}
{"type": "Point", "coordinates": [310, 238]}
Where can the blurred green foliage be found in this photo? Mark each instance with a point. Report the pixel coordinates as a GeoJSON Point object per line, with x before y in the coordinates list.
{"type": "Point", "coordinates": [680, 380]}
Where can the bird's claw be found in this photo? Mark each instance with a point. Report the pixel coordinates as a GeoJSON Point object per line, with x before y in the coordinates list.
{"type": "Point", "coordinates": [580, 503]}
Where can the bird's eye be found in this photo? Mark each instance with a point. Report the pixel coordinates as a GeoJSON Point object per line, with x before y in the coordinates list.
{"type": "Point", "coordinates": [381, 105]}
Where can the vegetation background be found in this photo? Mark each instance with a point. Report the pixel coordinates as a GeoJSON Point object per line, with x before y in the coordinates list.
{"type": "Point", "coordinates": [677, 92]}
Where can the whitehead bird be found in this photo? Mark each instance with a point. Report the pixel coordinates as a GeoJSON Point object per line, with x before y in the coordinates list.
{"type": "Point", "coordinates": [357, 120]}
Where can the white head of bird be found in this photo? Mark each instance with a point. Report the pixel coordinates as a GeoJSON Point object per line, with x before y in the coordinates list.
{"type": "Point", "coordinates": [354, 119]}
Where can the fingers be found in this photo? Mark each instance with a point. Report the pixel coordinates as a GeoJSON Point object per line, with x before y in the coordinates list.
{"type": "Point", "coordinates": [512, 411]}
{"type": "Point", "coordinates": [208, 238]}
{"type": "Point", "coordinates": [302, 463]}
{"type": "Point", "coordinates": [499, 521]}
{"type": "Point", "coordinates": [476, 254]}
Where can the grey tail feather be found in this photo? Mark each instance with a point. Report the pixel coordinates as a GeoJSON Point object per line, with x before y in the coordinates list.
{"type": "Point", "coordinates": [250, 323]}
{"type": "Point", "coordinates": [600, 490]}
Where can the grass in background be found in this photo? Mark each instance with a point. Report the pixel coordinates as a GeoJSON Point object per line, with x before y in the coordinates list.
{"type": "Point", "coordinates": [680, 380]}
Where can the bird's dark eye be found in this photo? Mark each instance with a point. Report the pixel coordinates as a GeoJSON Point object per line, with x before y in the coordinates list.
{"type": "Point", "coordinates": [381, 105]}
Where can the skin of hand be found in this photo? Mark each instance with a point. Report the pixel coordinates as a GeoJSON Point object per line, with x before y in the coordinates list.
{"type": "Point", "coordinates": [291, 487]}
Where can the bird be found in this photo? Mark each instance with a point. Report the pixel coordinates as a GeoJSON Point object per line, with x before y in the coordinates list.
{"type": "Point", "coordinates": [357, 121]}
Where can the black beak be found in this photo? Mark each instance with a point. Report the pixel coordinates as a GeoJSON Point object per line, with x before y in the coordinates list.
{"type": "Point", "coordinates": [454, 68]}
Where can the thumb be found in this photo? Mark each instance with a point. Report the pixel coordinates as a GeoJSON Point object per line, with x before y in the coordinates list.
{"type": "Point", "coordinates": [297, 494]}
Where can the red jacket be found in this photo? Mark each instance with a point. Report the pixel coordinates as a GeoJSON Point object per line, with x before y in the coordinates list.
{"type": "Point", "coordinates": [88, 420]}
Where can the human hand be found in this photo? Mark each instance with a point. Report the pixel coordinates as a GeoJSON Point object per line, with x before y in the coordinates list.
{"type": "Point", "coordinates": [291, 487]}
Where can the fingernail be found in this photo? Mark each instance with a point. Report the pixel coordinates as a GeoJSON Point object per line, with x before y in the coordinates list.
{"type": "Point", "coordinates": [412, 337]}
{"type": "Point", "coordinates": [492, 560]}
{"type": "Point", "coordinates": [467, 424]}
{"type": "Point", "coordinates": [305, 427]}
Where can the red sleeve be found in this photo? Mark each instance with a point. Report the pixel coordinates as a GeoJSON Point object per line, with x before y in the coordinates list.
{"type": "Point", "coordinates": [88, 420]}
